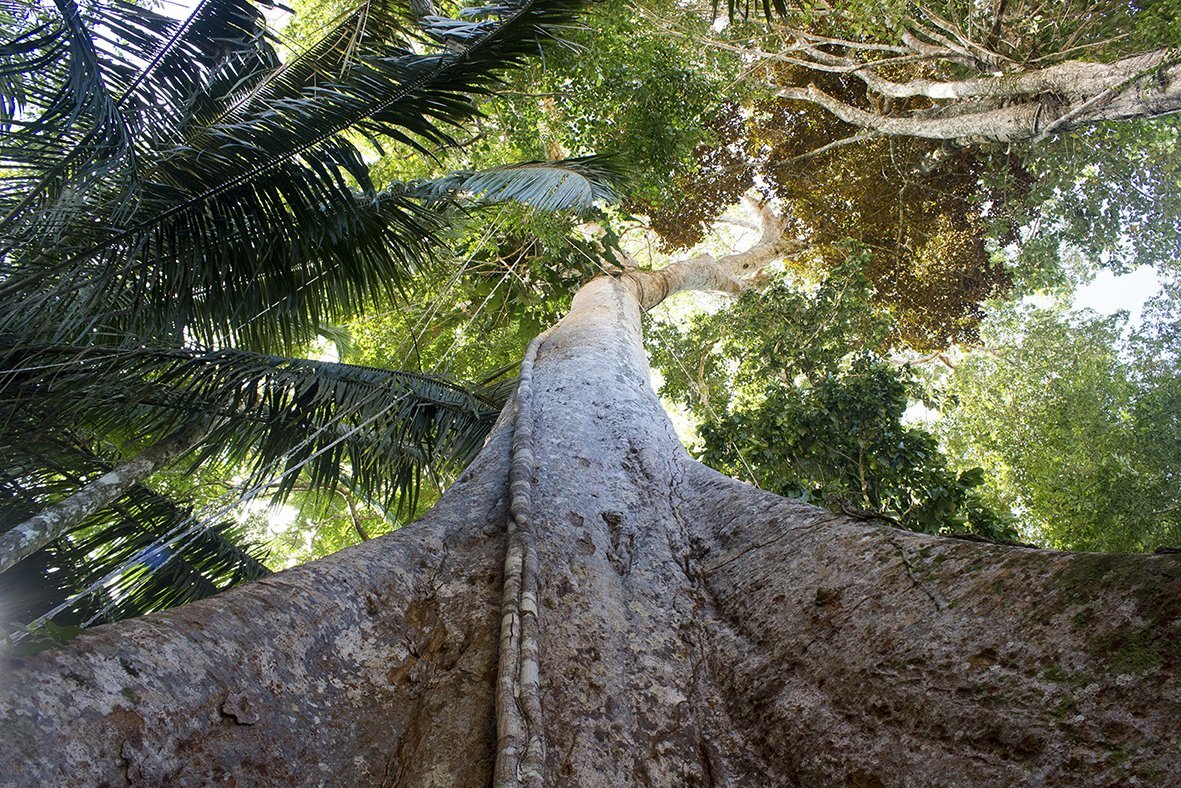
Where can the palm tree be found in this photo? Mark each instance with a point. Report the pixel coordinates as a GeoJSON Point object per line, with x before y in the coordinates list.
{"type": "Point", "coordinates": [182, 209]}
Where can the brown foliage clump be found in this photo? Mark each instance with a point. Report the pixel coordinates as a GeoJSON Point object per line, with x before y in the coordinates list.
{"type": "Point", "coordinates": [924, 211]}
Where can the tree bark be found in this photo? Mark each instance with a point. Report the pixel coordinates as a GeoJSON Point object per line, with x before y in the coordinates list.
{"type": "Point", "coordinates": [1075, 78]}
{"type": "Point", "coordinates": [57, 520]}
{"type": "Point", "coordinates": [691, 630]}
{"type": "Point", "coordinates": [1021, 105]}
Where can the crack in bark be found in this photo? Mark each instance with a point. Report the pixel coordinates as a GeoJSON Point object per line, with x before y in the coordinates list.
{"type": "Point", "coordinates": [910, 573]}
{"type": "Point", "coordinates": [711, 772]}
{"type": "Point", "coordinates": [782, 533]}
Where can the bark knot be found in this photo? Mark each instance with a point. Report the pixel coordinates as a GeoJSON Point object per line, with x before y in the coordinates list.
{"type": "Point", "coordinates": [242, 707]}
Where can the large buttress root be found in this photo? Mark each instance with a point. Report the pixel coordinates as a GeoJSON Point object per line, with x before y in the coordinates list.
{"type": "Point", "coordinates": [690, 630]}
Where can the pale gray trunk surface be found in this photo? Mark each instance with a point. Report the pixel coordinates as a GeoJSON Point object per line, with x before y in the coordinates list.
{"type": "Point", "coordinates": [691, 631]}
{"type": "Point", "coordinates": [1021, 105]}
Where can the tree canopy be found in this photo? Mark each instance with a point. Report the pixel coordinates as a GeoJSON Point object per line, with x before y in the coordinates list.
{"type": "Point", "coordinates": [1074, 424]}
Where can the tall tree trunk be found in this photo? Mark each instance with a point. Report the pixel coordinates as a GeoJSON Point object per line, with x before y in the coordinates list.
{"type": "Point", "coordinates": [690, 630]}
{"type": "Point", "coordinates": [57, 520]}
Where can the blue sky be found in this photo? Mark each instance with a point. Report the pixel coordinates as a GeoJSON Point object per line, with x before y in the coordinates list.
{"type": "Point", "coordinates": [1108, 293]}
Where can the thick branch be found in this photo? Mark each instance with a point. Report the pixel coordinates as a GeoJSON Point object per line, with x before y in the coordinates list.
{"type": "Point", "coordinates": [1072, 78]}
{"type": "Point", "coordinates": [729, 274]}
{"type": "Point", "coordinates": [1008, 123]}
{"type": "Point", "coordinates": [1140, 95]}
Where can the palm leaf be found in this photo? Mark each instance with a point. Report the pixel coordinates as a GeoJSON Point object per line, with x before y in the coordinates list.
{"type": "Point", "coordinates": [106, 82]}
{"type": "Point", "coordinates": [173, 185]}
{"type": "Point", "coordinates": [228, 206]}
{"type": "Point", "coordinates": [570, 184]}
{"type": "Point", "coordinates": [285, 418]}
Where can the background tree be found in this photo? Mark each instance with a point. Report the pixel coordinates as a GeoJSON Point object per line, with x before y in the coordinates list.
{"type": "Point", "coordinates": [794, 390]}
{"type": "Point", "coordinates": [1071, 424]}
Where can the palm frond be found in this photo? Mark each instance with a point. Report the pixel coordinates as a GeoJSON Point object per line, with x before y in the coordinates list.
{"type": "Point", "coordinates": [96, 87]}
{"type": "Point", "coordinates": [173, 185]}
{"type": "Point", "coordinates": [285, 418]}
{"type": "Point", "coordinates": [220, 46]}
{"type": "Point", "coordinates": [570, 184]}
{"type": "Point", "coordinates": [154, 576]}
{"type": "Point", "coordinates": [324, 61]}
{"type": "Point", "coordinates": [227, 209]}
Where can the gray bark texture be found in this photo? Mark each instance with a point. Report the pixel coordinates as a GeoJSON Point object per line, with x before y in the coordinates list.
{"type": "Point", "coordinates": [690, 630]}
{"type": "Point", "coordinates": [1017, 106]}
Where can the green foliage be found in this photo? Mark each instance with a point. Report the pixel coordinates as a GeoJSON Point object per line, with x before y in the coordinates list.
{"type": "Point", "coordinates": [951, 225]}
{"type": "Point", "coordinates": [778, 332]}
{"type": "Point", "coordinates": [628, 89]}
{"type": "Point", "coordinates": [1022, 30]}
{"type": "Point", "coordinates": [816, 409]}
{"type": "Point", "coordinates": [842, 443]}
{"type": "Point", "coordinates": [309, 530]}
{"type": "Point", "coordinates": [1076, 428]}
{"type": "Point", "coordinates": [515, 273]}
{"type": "Point", "coordinates": [1111, 194]}
{"type": "Point", "coordinates": [1156, 23]}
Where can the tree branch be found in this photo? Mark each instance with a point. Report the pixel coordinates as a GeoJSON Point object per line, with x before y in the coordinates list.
{"type": "Point", "coordinates": [852, 140]}
{"type": "Point", "coordinates": [1071, 78]}
{"type": "Point", "coordinates": [1035, 118]}
{"type": "Point", "coordinates": [729, 274]}
{"type": "Point", "coordinates": [1005, 124]}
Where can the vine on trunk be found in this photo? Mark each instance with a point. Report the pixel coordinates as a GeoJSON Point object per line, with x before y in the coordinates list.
{"type": "Point", "coordinates": [520, 749]}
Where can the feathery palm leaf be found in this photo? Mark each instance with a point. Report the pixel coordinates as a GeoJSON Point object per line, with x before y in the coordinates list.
{"type": "Point", "coordinates": [103, 82]}
{"type": "Point", "coordinates": [225, 210]}
{"type": "Point", "coordinates": [570, 184]}
{"type": "Point", "coordinates": [284, 417]}
{"type": "Point", "coordinates": [127, 534]}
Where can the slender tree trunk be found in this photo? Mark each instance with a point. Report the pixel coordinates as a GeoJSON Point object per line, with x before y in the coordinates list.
{"type": "Point", "coordinates": [690, 630]}
{"type": "Point", "coordinates": [57, 520]}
